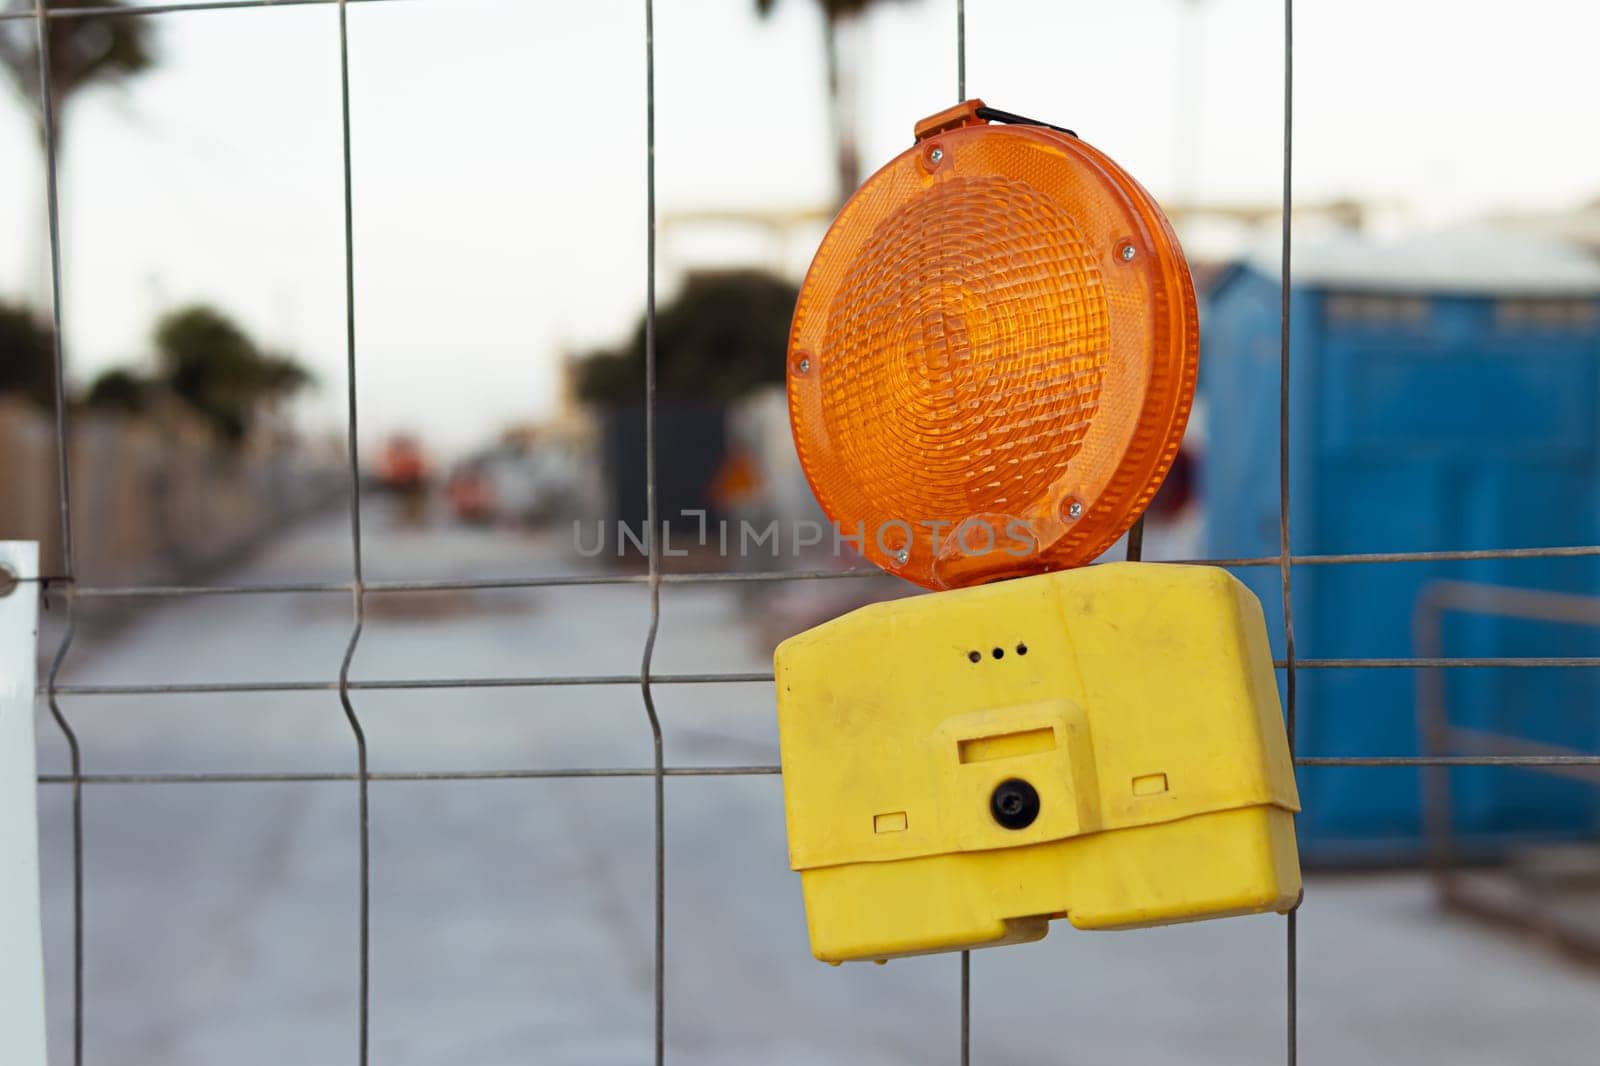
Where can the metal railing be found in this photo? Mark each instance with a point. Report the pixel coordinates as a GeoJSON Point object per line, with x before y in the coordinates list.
{"type": "Point", "coordinates": [66, 587]}
{"type": "Point", "coordinates": [1523, 906]}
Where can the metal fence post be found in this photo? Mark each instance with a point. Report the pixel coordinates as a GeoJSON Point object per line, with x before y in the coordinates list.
{"type": "Point", "coordinates": [21, 935]}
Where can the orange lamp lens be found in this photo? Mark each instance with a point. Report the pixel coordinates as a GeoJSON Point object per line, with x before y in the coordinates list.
{"type": "Point", "coordinates": [993, 356]}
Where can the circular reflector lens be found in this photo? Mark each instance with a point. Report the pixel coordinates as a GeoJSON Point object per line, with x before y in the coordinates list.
{"type": "Point", "coordinates": [993, 357]}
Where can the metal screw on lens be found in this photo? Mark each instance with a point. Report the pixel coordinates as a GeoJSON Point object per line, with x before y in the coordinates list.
{"type": "Point", "coordinates": [936, 156]}
{"type": "Point", "coordinates": [1075, 509]}
{"type": "Point", "coordinates": [901, 556]}
{"type": "Point", "coordinates": [1127, 252]}
{"type": "Point", "coordinates": [805, 365]}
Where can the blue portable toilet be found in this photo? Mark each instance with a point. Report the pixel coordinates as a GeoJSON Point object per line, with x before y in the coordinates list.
{"type": "Point", "coordinates": [1445, 394]}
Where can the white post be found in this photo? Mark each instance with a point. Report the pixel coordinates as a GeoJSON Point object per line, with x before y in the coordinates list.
{"type": "Point", "coordinates": [21, 939]}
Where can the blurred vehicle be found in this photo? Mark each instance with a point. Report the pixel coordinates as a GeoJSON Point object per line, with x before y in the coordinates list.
{"type": "Point", "coordinates": [401, 466]}
{"type": "Point", "coordinates": [468, 492]}
{"type": "Point", "coordinates": [519, 481]}
{"type": "Point", "coordinates": [761, 483]}
{"type": "Point", "coordinates": [402, 471]}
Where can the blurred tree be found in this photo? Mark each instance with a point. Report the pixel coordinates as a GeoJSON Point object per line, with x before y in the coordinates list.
{"type": "Point", "coordinates": [121, 391]}
{"type": "Point", "coordinates": [27, 355]}
{"type": "Point", "coordinates": [726, 333]}
{"type": "Point", "coordinates": [213, 366]}
{"type": "Point", "coordinates": [83, 52]}
{"type": "Point", "coordinates": [841, 108]}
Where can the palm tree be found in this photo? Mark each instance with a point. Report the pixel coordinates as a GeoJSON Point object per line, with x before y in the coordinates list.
{"type": "Point", "coordinates": [87, 51]}
{"type": "Point", "coordinates": [841, 111]}
{"type": "Point", "coordinates": [83, 52]}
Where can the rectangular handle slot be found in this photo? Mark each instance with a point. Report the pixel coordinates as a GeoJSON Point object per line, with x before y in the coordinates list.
{"type": "Point", "coordinates": [1007, 745]}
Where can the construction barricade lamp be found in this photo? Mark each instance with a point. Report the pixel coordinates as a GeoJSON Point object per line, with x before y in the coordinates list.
{"type": "Point", "coordinates": [991, 364]}
{"type": "Point", "coordinates": [993, 356]}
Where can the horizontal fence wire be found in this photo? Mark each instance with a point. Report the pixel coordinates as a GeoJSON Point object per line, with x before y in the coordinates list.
{"type": "Point", "coordinates": [291, 776]}
{"type": "Point", "coordinates": [755, 576]}
{"type": "Point", "coordinates": [758, 770]}
{"type": "Point", "coordinates": [119, 11]}
{"type": "Point", "coordinates": [183, 688]}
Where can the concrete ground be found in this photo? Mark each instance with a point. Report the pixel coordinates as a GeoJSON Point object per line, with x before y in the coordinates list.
{"type": "Point", "coordinates": [511, 920]}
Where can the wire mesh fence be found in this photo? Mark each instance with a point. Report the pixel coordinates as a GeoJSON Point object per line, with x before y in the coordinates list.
{"type": "Point", "coordinates": [65, 590]}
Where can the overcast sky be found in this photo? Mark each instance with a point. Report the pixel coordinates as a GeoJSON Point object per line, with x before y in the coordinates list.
{"type": "Point", "coordinates": [499, 155]}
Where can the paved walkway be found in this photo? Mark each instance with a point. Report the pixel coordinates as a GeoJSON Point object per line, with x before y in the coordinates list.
{"type": "Point", "coordinates": [511, 921]}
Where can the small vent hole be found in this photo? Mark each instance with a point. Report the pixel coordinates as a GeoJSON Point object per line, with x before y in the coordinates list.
{"type": "Point", "coordinates": [1022, 649]}
{"type": "Point", "coordinates": [975, 655]}
{"type": "Point", "coordinates": [999, 653]}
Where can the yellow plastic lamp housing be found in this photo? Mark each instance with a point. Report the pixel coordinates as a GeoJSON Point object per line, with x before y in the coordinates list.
{"type": "Point", "coordinates": [1103, 745]}
{"type": "Point", "coordinates": [993, 355]}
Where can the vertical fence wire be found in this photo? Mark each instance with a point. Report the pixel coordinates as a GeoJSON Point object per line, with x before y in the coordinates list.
{"type": "Point", "coordinates": [358, 589]}
{"type": "Point", "coordinates": [961, 50]}
{"type": "Point", "coordinates": [966, 1008]}
{"type": "Point", "coordinates": [652, 534]}
{"type": "Point", "coordinates": [64, 488]}
{"type": "Point", "coordinates": [1285, 561]}
{"type": "Point", "coordinates": [1136, 540]}
{"type": "Point", "coordinates": [966, 956]}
